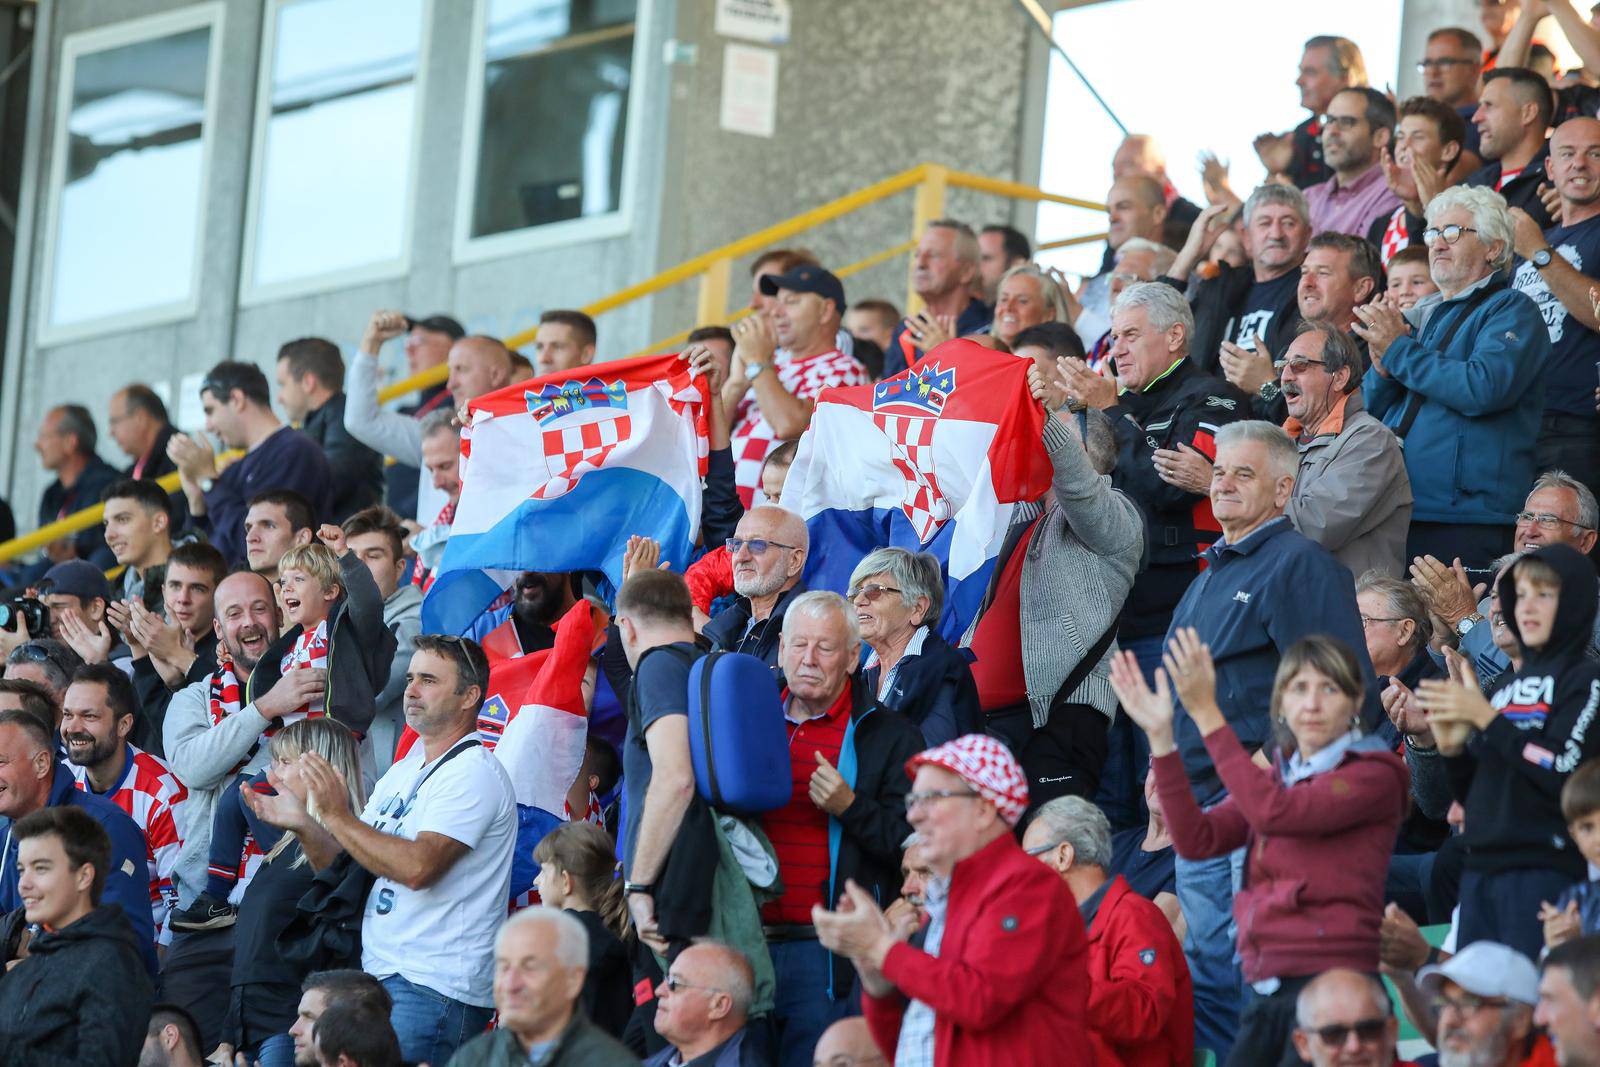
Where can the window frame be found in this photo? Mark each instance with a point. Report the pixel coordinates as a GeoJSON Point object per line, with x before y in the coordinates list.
{"type": "Point", "coordinates": [255, 294]}
{"type": "Point", "coordinates": [469, 249]}
{"type": "Point", "coordinates": [74, 46]}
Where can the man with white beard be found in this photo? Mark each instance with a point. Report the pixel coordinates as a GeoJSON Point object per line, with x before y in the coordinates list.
{"type": "Point", "coordinates": [768, 552]}
{"type": "Point", "coordinates": [1483, 999]}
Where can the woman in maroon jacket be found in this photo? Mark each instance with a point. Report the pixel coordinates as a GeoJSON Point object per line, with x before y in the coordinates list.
{"type": "Point", "coordinates": [1318, 824]}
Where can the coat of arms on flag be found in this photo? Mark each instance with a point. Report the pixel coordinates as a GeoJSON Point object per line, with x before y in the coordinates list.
{"type": "Point", "coordinates": [572, 447]}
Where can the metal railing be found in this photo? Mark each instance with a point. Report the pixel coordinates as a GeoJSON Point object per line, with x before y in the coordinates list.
{"type": "Point", "coordinates": [714, 269]}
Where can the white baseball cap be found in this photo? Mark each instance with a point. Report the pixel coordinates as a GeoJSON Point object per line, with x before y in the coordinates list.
{"type": "Point", "coordinates": [1486, 969]}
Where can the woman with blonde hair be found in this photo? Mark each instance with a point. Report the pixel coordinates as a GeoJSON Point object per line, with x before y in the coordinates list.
{"type": "Point", "coordinates": [265, 994]}
{"type": "Point", "coordinates": [578, 874]}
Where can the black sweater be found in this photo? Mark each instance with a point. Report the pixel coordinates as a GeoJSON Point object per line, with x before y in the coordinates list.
{"type": "Point", "coordinates": [1509, 778]}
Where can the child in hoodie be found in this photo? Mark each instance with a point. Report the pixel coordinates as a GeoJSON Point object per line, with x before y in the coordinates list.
{"type": "Point", "coordinates": [1531, 735]}
{"type": "Point", "coordinates": [330, 597]}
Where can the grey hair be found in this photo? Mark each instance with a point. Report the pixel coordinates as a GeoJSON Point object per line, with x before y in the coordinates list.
{"type": "Point", "coordinates": [1047, 289]}
{"type": "Point", "coordinates": [966, 240]}
{"type": "Point", "coordinates": [572, 940]}
{"type": "Point", "coordinates": [1490, 216]}
{"type": "Point", "coordinates": [817, 604]}
{"type": "Point", "coordinates": [1282, 454]}
{"type": "Point", "coordinates": [735, 976]}
{"type": "Point", "coordinates": [1164, 256]}
{"type": "Point", "coordinates": [1588, 511]}
{"type": "Point", "coordinates": [915, 573]}
{"type": "Point", "coordinates": [1339, 352]}
{"type": "Point", "coordinates": [1164, 305]}
{"type": "Point", "coordinates": [1303, 1015]}
{"type": "Point", "coordinates": [1079, 823]}
{"type": "Point", "coordinates": [439, 422]}
{"type": "Point", "coordinates": [913, 839]}
{"type": "Point", "coordinates": [1404, 603]}
{"type": "Point", "coordinates": [1274, 193]}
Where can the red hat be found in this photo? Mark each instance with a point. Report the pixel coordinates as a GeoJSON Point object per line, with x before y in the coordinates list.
{"type": "Point", "coordinates": [986, 765]}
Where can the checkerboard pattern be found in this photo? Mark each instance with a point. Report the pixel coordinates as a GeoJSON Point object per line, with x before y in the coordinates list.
{"type": "Point", "coordinates": [573, 451]}
{"type": "Point", "coordinates": [911, 448]}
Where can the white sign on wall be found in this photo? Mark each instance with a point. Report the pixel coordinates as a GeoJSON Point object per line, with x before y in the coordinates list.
{"type": "Point", "coordinates": [766, 21]}
{"type": "Point", "coordinates": [749, 90]}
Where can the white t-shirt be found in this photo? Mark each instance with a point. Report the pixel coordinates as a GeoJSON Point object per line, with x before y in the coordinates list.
{"type": "Point", "coordinates": [442, 937]}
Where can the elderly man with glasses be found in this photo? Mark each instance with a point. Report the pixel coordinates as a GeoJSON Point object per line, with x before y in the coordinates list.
{"type": "Point", "coordinates": [1459, 379]}
{"type": "Point", "coordinates": [1480, 1003]}
{"type": "Point", "coordinates": [701, 1009]}
{"type": "Point", "coordinates": [1559, 510]}
{"type": "Point", "coordinates": [845, 819]}
{"type": "Point", "coordinates": [1343, 1019]}
{"type": "Point", "coordinates": [768, 552]}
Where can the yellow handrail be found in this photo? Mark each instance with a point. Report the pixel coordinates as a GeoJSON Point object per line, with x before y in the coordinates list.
{"type": "Point", "coordinates": [929, 180]}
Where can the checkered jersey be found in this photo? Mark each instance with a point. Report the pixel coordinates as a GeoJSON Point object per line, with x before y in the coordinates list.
{"type": "Point", "coordinates": [310, 649]}
{"type": "Point", "coordinates": [1395, 236]}
{"type": "Point", "coordinates": [753, 436]}
{"type": "Point", "coordinates": [151, 794]}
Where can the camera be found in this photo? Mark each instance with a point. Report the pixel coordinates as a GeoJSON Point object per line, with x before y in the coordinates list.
{"type": "Point", "coordinates": [32, 612]}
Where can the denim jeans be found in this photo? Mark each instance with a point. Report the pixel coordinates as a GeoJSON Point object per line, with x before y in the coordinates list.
{"type": "Point", "coordinates": [803, 1008]}
{"type": "Point", "coordinates": [429, 1024]}
{"type": "Point", "coordinates": [275, 1051]}
{"type": "Point", "coordinates": [1205, 893]}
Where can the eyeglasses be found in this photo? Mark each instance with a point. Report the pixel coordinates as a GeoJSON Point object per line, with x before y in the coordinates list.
{"type": "Point", "coordinates": [872, 591]}
{"type": "Point", "coordinates": [757, 546]}
{"type": "Point", "coordinates": [1344, 122]}
{"type": "Point", "coordinates": [1040, 850]}
{"type": "Point", "coordinates": [1298, 364]}
{"type": "Point", "coordinates": [1546, 521]}
{"type": "Point", "coordinates": [913, 799]}
{"type": "Point", "coordinates": [1368, 620]}
{"type": "Point", "coordinates": [1366, 1030]}
{"type": "Point", "coordinates": [1451, 234]}
{"type": "Point", "coordinates": [1443, 63]}
{"type": "Point", "coordinates": [1467, 1004]}
{"type": "Point", "coordinates": [675, 984]}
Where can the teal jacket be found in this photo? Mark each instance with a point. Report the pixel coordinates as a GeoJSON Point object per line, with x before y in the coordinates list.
{"type": "Point", "coordinates": [1470, 450]}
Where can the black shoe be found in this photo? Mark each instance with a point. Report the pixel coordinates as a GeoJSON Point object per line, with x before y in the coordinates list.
{"type": "Point", "coordinates": [206, 913]}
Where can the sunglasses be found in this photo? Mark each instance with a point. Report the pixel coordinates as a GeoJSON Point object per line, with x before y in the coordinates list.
{"type": "Point", "coordinates": [872, 591]}
{"type": "Point", "coordinates": [757, 546]}
{"type": "Point", "coordinates": [1367, 1031]}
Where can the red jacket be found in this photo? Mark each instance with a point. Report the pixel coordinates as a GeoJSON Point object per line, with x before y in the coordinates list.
{"type": "Point", "coordinates": [1318, 852]}
{"type": "Point", "coordinates": [1141, 1000]}
{"type": "Point", "coordinates": [1010, 986]}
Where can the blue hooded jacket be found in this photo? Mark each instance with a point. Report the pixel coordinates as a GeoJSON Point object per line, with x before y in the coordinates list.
{"type": "Point", "coordinates": [1470, 450]}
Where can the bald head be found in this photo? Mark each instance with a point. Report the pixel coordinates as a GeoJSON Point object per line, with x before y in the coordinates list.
{"type": "Point", "coordinates": [783, 541]}
{"type": "Point", "coordinates": [1339, 992]}
{"type": "Point", "coordinates": [1138, 154]}
{"type": "Point", "coordinates": [478, 365]}
{"type": "Point", "coordinates": [847, 1043]}
{"type": "Point", "coordinates": [719, 966]}
{"type": "Point", "coordinates": [1575, 161]}
{"type": "Point", "coordinates": [779, 524]}
{"type": "Point", "coordinates": [246, 618]}
{"type": "Point", "coordinates": [239, 586]}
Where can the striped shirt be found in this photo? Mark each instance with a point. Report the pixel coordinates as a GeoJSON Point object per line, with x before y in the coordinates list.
{"type": "Point", "coordinates": [150, 793]}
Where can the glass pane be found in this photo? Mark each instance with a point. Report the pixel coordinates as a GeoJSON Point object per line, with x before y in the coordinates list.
{"type": "Point", "coordinates": [131, 199]}
{"type": "Point", "coordinates": [555, 108]}
{"type": "Point", "coordinates": [337, 160]}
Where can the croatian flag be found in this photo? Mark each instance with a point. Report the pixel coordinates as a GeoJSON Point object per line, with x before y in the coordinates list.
{"type": "Point", "coordinates": [558, 471]}
{"type": "Point", "coordinates": [933, 459]}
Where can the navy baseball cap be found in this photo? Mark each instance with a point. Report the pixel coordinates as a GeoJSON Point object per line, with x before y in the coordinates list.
{"type": "Point", "coordinates": [76, 577]}
{"type": "Point", "coordinates": [438, 324]}
{"type": "Point", "coordinates": [806, 279]}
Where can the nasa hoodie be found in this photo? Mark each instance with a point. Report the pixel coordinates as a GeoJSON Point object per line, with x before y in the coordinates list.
{"type": "Point", "coordinates": [1509, 778]}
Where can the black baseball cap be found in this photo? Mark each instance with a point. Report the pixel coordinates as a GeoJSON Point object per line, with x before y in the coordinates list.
{"type": "Point", "coordinates": [438, 324]}
{"type": "Point", "coordinates": [806, 279]}
{"type": "Point", "coordinates": [77, 577]}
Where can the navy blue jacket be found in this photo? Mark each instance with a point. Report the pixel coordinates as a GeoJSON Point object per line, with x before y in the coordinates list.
{"type": "Point", "coordinates": [974, 317]}
{"type": "Point", "coordinates": [286, 460]}
{"type": "Point", "coordinates": [1252, 602]}
{"type": "Point", "coordinates": [1470, 452]}
{"type": "Point", "coordinates": [128, 881]}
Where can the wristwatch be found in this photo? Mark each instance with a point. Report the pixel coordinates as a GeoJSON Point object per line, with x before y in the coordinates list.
{"type": "Point", "coordinates": [1465, 626]}
{"type": "Point", "coordinates": [630, 888]}
{"type": "Point", "coordinates": [1270, 391]}
{"type": "Point", "coordinates": [207, 484]}
{"type": "Point", "coordinates": [1540, 259]}
{"type": "Point", "coordinates": [753, 369]}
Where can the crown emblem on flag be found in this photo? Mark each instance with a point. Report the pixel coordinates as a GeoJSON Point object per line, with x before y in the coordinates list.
{"type": "Point", "coordinates": [921, 392]}
{"type": "Point", "coordinates": [553, 401]}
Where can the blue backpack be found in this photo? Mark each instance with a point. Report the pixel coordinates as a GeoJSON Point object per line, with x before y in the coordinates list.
{"type": "Point", "coordinates": [736, 734]}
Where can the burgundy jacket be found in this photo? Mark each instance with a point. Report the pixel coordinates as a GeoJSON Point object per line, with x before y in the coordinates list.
{"type": "Point", "coordinates": [1318, 852]}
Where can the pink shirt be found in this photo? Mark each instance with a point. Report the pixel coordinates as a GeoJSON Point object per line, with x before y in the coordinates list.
{"type": "Point", "coordinates": [1351, 208]}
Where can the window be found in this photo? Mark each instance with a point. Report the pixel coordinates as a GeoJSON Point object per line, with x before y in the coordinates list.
{"type": "Point", "coordinates": [128, 174]}
{"type": "Point", "coordinates": [548, 119]}
{"type": "Point", "coordinates": [336, 131]}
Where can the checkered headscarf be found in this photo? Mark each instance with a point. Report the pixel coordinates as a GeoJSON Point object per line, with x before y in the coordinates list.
{"type": "Point", "coordinates": [986, 765]}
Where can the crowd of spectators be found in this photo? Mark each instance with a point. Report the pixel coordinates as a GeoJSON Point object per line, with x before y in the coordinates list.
{"type": "Point", "coordinates": [1287, 685]}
